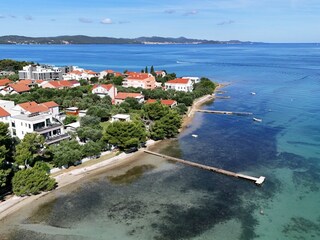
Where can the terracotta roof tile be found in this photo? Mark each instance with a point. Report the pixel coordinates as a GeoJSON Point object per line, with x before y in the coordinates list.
{"type": "Point", "coordinates": [4, 113]}
{"type": "Point", "coordinates": [50, 104]}
{"type": "Point", "coordinates": [26, 81]}
{"type": "Point", "coordinates": [105, 86]}
{"type": "Point", "coordinates": [5, 81]}
{"type": "Point", "coordinates": [19, 87]}
{"type": "Point", "coordinates": [124, 95]}
{"type": "Point", "coordinates": [27, 105]}
{"type": "Point", "coordinates": [38, 109]}
{"type": "Point", "coordinates": [179, 81]}
{"type": "Point", "coordinates": [168, 102]}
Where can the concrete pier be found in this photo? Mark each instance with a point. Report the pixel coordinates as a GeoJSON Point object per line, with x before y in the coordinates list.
{"type": "Point", "coordinates": [225, 112]}
{"type": "Point", "coordinates": [258, 181]}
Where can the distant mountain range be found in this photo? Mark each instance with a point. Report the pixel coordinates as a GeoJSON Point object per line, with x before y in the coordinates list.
{"type": "Point", "coordinates": [81, 39]}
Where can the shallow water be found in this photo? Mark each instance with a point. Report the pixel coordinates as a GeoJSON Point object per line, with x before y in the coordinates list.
{"type": "Point", "coordinates": [155, 199]}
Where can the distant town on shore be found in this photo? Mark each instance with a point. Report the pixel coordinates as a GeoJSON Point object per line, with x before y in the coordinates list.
{"type": "Point", "coordinates": [81, 39]}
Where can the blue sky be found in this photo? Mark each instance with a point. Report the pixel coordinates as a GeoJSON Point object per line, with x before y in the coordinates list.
{"type": "Point", "coordinates": [253, 20]}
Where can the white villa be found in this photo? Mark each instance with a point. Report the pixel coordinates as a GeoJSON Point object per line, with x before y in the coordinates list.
{"type": "Point", "coordinates": [193, 79]}
{"type": "Point", "coordinates": [103, 90]}
{"type": "Point", "coordinates": [33, 117]}
{"type": "Point", "coordinates": [121, 96]}
{"type": "Point", "coordinates": [180, 84]}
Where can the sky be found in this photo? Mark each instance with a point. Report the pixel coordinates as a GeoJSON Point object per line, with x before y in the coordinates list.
{"type": "Point", "coordinates": [246, 20]}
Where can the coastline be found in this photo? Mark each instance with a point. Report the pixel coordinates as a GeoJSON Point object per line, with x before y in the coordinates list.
{"type": "Point", "coordinates": [15, 203]}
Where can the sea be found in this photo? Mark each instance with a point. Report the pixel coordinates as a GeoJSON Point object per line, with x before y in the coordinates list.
{"type": "Point", "coordinates": [152, 198]}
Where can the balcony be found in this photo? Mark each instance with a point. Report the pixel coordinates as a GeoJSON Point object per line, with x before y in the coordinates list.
{"type": "Point", "coordinates": [49, 128]}
{"type": "Point", "coordinates": [57, 138]}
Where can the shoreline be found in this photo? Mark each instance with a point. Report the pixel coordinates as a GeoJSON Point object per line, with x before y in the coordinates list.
{"type": "Point", "coordinates": [64, 179]}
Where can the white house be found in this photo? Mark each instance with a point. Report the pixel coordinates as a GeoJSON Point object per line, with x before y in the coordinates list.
{"type": "Point", "coordinates": [104, 73]}
{"type": "Point", "coordinates": [31, 117]}
{"type": "Point", "coordinates": [180, 84]}
{"type": "Point", "coordinates": [120, 117]}
{"type": "Point", "coordinates": [42, 124]}
{"type": "Point", "coordinates": [79, 73]}
{"type": "Point", "coordinates": [193, 79]}
{"type": "Point", "coordinates": [103, 90]}
{"type": "Point", "coordinates": [121, 96]}
{"type": "Point", "coordinates": [4, 116]}
{"type": "Point", "coordinates": [142, 80]}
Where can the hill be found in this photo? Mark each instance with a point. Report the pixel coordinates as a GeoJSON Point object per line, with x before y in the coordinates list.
{"type": "Point", "coordinates": [81, 39]}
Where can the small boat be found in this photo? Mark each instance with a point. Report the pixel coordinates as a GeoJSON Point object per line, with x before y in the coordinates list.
{"type": "Point", "coordinates": [194, 135]}
{"type": "Point", "coordinates": [257, 119]}
{"type": "Point", "coordinates": [253, 93]}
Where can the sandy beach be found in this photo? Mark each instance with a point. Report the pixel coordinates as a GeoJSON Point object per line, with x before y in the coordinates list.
{"type": "Point", "coordinates": [14, 203]}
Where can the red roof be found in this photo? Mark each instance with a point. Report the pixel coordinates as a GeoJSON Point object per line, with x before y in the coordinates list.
{"type": "Point", "coordinates": [90, 72]}
{"type": "Point", "coordinates": [178, 81]}
{"type": "Point", "coordinates": [108, 71]}
{"type": "Point", "coordinates": [105, 86]}
{"type": "Point", "coordinates": [77, 72]}
{"type": "Point", "coordinates": [19, 87]}
{"type": "Point", "coordinates": [26, 81]}
{"type": "Point", "coordinates": [118, 74]}
{"type": "Point", "coordinates": [61, 84]}
{"type": "Point", "coordinates": [124, 95]}
{"type": "Point", "coordinates": [5, 81]}
{"type": "Point", "coordinates": [34, 107]}
{"type": "Point", "coordinates": [28, 105]}
{"type": "Point", "coordinates": [38, 108]}
{"type": "Point", "coordinates": [168, 102]}
{"type": "Point", "coordinates": [138, 76]}
{"type": "Point", "coordinates": [50, 104]}
{"type": "Point", "coordinates": [4, 113]}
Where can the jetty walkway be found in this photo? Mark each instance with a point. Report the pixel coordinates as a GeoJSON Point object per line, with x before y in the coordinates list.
{"type": "Point", "coordinates": [225, 112]}
{"type": "Point", "coordinates": [257, 181]}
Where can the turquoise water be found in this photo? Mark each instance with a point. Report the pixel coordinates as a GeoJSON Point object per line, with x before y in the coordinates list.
{"type": "Point", "coordinates": [155, 199]}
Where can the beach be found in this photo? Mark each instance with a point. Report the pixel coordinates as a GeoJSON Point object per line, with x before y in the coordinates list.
{"type": "Point", "coordinates": [14, 203]}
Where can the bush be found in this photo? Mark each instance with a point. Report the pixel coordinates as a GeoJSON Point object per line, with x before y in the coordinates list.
{"type": "Point", "coordinates": [32, 181]}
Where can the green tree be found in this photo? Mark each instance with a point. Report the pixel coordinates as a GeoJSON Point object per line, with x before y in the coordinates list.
{"type": "Point", "coordinates": [28, 150]}
{"type": "Point", "coordinates": [89, 133]}
{"type": "Point", "coordinates": [146, 70]}
{"type": "Point", "coordinates": [152, 71]}
{"type": "Point", "coordinates": [91, 149]}
{"type": "Point", "coordinates": [167, 127]}
{"type": "Point", "coordinates": [69, 119]}
{"type": "Point", "coordinates": [130, 104]}
{"type": "Point", "coordinates": [4, 168]}
{"type": "Point", "coordinates": [32, 181]}
{"type": "Point", "coordinates": [125, 134]}
{"type": "Point", "coordinates": [102, 112]}
{"type": "Point", "coordinates": [155, 111]}
{"type": "Point", "coordinates": [66, 153]}
{"type": "Point", "coordinates": [117, 80]}
{"type": "Point", "coordinates": [91, 121]}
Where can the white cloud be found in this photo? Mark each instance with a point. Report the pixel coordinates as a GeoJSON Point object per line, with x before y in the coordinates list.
{"type": "Point", "coordinates": [2, 16]}
{"type": "Point", "coordinates": [106, 21]}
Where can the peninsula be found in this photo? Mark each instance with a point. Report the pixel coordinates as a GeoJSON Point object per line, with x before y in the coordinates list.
{"type": "Point", "coordinates": [82, 39]}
